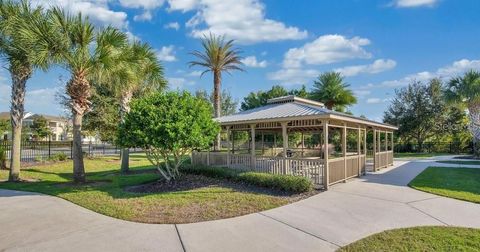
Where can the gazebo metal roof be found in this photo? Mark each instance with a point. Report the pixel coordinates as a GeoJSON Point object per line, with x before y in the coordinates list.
{"type": "Point", "coordinates": [292, 108]}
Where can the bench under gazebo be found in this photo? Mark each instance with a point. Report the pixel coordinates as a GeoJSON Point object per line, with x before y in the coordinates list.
{"type": "Point", "coordinates": [300, 137]}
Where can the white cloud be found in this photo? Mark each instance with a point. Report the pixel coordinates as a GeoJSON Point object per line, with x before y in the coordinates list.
{"type": "Point", "coordinates": [377, 66]}
{"type": "Point", "coordinates": [173, 25]}
{"type": "Point", "coordinates": [242, 20]}
{"type": "Point", "coordinates": [361, 93]}
{"type": "Point", "coordinates": [195, 73]}
{"type": "Point", "coordinates": [97, 10]}
{"type": "Point", "coordinates": [456, 68]}
{"type": "Point", "coordinates": [167, 53]}
{"type": "Point", "coordinates": [145, 16]}
{"type": "Point", "coordinates": [182, 5]}
{"type": "Point", "coordinates": [327, 49]}
{"type": "Point", "coordinates": [414, 3]}
{"type": "Point", "coordinates": [145, 4]}
{"type": "Point", "coordinates": [251, 61]}
{"type": "Point", "coordinates": [291, 76]}
{"type": "Point", "coordinates": [374, 100]}
{"type": "Point", "coordinates": [178, 83]}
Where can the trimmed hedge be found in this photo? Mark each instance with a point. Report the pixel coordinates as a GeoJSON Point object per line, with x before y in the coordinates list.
{"type": "Point", "coordinates": [280, 182]}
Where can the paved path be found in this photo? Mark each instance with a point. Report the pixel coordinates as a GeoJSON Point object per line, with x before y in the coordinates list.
{"type": "Point", "coordinates": [345, 213]}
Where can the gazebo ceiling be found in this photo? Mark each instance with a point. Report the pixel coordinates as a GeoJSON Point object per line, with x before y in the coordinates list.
{"type": "Point", "coordinates": [289, 108]}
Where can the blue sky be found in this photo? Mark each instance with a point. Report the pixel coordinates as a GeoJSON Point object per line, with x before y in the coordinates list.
{"type": "Point", "coordinates": [379, 45]}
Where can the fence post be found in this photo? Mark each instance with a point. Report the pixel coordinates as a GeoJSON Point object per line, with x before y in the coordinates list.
{"type": "Point", "coordinates": [208, 158]}
{"type": "Point", "coordinates": [49, 147]}
{"type": "Point", "coordinates": [71, 149]}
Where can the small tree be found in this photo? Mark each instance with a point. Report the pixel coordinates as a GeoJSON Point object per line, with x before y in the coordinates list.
{"type": "Point", "coordinates": [167, 127]}
{"type": "Point", "coordinates": [39, 128]}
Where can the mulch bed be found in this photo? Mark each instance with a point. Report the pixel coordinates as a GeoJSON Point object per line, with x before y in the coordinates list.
{"type": "Point", "coordinates": [190, 182]}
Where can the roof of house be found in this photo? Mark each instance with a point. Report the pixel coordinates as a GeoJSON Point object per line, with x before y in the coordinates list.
{"type": "Point", "coordinates": [6, 115]}
{"type": "Point", "coordinates": [290, 107]}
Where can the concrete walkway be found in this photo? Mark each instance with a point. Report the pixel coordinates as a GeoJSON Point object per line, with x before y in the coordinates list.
{"type": "Point", "coordinates": [345, 213]}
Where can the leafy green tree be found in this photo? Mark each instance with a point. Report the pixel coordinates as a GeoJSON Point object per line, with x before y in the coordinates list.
{"type": "Point", "coordinates": [260, 98]}
{"type": "Point", "coordinates": [87, 55]}
{"type": "Point", "coordinates": [218, 56]}
{"type": "Point", "coordinates": [103, 118]}
{"type": "Point", "coordinates": [416, 110]}
{"type": "Point", "coordinates": [39, 128]}
{"type": "Point", "coordinates": [331, 89]}
{"type": "Point", "coordinates": [5, 126]}
{"type": "Point", "coordinates": [228, 104]}
{"type": "Point", "coordinates": [465, 90]}
{"type": "Point", "coordinates": [21, 49]}
{"type": "Point", "coordinates": [168, 126]}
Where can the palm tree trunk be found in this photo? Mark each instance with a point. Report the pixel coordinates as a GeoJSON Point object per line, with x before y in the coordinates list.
{"type": "Point", "coordinates": [19, 81]}
{"type": "Point", "coordinates": [124, 109]}
{"type": "Point", "coordinates": [474, 114]}
{"type": "Point", "coordinates": [217, 79]}
{"type": "Point", "coordinates": [79, 90]}
{"type": "Point", "coordinates": [77, 152]}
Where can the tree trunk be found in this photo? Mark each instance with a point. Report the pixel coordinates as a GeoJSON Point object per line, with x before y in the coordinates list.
{"type": "Point", "coordinates": [474, 114]}
{"type": "Point", "coordinates": [124, 109]}
{"type": "Point", "coordinates": [217, 79]}
{"type": "Point", "coordinates": [78, 88]}
{"type": "Point", "coordinates": [77, 152]}
{"type": "Point", "coordinates": [19, 81]}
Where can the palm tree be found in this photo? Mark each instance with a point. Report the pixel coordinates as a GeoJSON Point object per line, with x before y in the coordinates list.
{"type": "Point", "coordinates": [24, 52]}
{"type": "Point", "coordinates": [87, 55]}
{"type": "Point", "coordinates": [465, 91]}
{"type": "Point", "coordinates": [218, 56]}
{"type": "Point", "coordinates": [138, 71]}
{"type": "Point", "coordinates": [331, 89]}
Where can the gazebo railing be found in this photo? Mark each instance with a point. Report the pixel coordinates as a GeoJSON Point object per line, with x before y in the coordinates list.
{"type": "Point", "coordinates": [312, 168]}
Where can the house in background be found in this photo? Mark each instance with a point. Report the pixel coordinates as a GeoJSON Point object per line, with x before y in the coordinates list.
{"type": "Point", "coordinates": [60, 127]}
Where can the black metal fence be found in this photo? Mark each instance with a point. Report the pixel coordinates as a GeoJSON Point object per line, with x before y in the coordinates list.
{"type": "Point", "coordinates": [44, 150]}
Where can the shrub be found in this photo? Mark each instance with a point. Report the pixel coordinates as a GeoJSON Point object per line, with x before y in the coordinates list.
{"type": "Point", "coordinates": [280, 182]}
{"type": "Point", "coordinates": [58, 157]}
{"type": "Point", "coordinates": [3, 158]}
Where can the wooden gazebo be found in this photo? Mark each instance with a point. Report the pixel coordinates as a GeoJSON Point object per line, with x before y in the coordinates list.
{"type": "Point", "coordinates": [325, 164]}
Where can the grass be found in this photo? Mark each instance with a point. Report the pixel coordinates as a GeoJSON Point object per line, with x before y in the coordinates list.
{"type": "Point", "coordinates": [457, 183]}
{"type": "Point", "coordinates": [105, 193]}
{"type": "Point", "coordinates": [420, 239]}
{"type": "Point", "coordinates": [418, 155]}
{"type": "Point", "coordinates": [460, 162]}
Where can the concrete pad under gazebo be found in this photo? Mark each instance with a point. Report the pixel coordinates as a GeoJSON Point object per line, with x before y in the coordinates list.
{"type": "Point", "coordinates": [321, 161]}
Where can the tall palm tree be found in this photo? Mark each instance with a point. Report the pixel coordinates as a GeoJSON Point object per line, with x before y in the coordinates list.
{"type": "Point", "coordinates": [331, 89]}
{"type": "Point", "coordinates": [218, 56]}
{"type": "Point", "coordinates": [138, 71]}
{"type": "Point", "coordinates": [24, 52]}
{"type": "Point", "coordinates": [465, 90]}
{"type": "Point", "coordinates": [88, 55]}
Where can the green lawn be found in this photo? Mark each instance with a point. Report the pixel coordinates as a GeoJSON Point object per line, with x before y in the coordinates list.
{"type": "Point", "coordinates": [461, 162]}
{"type": "Point", "coordinates": [418, 155]}
{"type": "Point", "coordinates": [433, 239]}
{"type": "Point", "coordinates": [106, 193]}
{"type": "Point", "coordinates": [458, 183]}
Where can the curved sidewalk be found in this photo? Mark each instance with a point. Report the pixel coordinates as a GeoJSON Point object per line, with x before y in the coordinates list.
{"type": "Point", "coordinates": [345, 213]}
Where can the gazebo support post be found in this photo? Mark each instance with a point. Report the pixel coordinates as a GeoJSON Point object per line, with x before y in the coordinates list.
{"type": "Point", "coordinates": [359, 151]}
{"type": "Point", "coordinates": [326, 179]}
{"type": "Point", "coordinates": [228, 147]}
{"type": "Point", "coordinates": [303, 143]}
{"type": "Point", "coordinates": [365, 150]}
{"type": "Point", "coordinates": [263, 143]}
{"type": "Point", "coordinates": [233, 141]}
{"type": "Point", "coordinates": [374, 150]}
{"type": "Point", "coordinates": [285, 145]}
{"type": "Point", "coordinates": [344, 151]}
{"type": "Point", "coordinates": [252, 146]}
{"type": "Point", "coordinates": [392, 147]}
